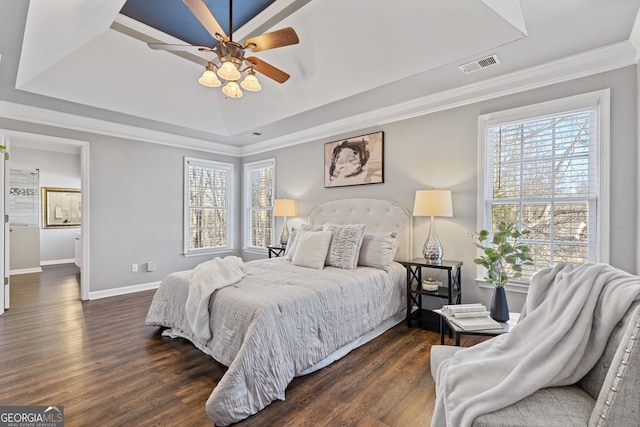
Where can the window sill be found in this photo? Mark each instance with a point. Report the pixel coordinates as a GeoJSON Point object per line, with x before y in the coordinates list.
{"type": "Point", "coordinates": [518, 287]}
{"type": "Point", "coordinates": [208, 252]}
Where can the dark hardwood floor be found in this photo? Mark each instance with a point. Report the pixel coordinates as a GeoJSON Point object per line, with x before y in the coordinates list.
{"type": "Point", "coordinates": [107, 368]}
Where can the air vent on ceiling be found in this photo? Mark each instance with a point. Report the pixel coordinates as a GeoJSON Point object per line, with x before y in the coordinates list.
{"type": "Point", "coordinates": [479, 64]}
{"type": "Point", "coordinates": [254, 134]}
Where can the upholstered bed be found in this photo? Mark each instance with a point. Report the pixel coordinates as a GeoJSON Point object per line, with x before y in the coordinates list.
{"type": "Point", "coordinates": [283, 319]}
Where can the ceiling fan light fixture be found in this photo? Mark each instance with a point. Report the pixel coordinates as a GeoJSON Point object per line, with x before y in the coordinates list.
{"type": "Point", "coordinates": [229, 71]}
{"type": "Point", "coordinates": [209, 77]}
{"type": "Point", "coordinates": [232, 90]}
{"type": "Point", "coordinates": [251, 83]}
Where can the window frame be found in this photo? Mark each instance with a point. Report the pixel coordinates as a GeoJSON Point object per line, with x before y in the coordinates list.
{"type": "Point", "coordinates": [600, 100]}
{"type": "Point", "coordinates": [229, 170]}
{"type": "Point", "coordinates": [248, 168]}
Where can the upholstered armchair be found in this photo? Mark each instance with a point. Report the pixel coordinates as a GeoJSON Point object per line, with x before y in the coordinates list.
{"type": "Point", "coordinates": [609, 395]}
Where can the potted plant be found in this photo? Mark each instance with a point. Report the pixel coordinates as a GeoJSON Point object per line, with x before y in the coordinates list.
{"type": "Point", "coordinates": [503, 258]}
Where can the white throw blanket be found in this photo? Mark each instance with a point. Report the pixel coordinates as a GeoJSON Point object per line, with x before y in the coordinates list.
{"type": "Point", "coordinates": [207, 278]}
{"type": "Point", "coordinates": [571, 312]}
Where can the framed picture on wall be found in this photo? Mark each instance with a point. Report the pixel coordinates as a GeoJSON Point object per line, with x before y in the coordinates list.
{"type": "Point", "coordinates": [60, 207]}
{"type": "Point", "coordinates": [354, 161]}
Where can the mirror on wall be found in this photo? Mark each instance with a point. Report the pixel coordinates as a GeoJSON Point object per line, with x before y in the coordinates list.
{"type": "Point", "coordinates": [60, 207]}
{"type": "Point", "coordinates": [23, 197]}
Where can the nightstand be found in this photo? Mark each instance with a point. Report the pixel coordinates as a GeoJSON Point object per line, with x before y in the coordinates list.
{"type": "Point", "coordinates": [458, 331]}
{"type": "Point", "coordinates": [276, 251]}
{"type": "Point", "coordinates": [452, 292]}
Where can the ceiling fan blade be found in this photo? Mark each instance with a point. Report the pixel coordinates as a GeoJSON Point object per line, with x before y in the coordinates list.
{"type": "Point", "coordinates": [284, 37]}
{"type": "Point", "coordinates": [268, 69]}
{"type": "Point", "coordinates": [179, 47]}
{"type": "Point", "coordinates": [206, 18]}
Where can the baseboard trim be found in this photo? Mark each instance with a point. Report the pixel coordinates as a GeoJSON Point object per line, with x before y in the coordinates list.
{"type": "Point", "coordinates": [25, 271]}
{"type": "Point", "coordinates": [123, 290]}
{"type": "Point", "coordinates": [57, 261]}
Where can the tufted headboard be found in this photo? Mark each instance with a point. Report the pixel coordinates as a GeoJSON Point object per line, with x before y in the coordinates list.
{"type": "Point", "coordinates": [376, 215]}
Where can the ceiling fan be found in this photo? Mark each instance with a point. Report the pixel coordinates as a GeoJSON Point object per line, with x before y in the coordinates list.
{"type": "Point", "coordinates": [231, 55]}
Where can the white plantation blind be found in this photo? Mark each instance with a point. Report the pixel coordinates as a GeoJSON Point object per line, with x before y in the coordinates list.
{"type": "Point", "coordinates": [208, 202]}
{"type": "Point", "coordinates": [259, 190]}
{"type": "Point", "coordinates": [542, 173]}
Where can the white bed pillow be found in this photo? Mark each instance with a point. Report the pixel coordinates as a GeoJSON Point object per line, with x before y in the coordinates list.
{"type": "Point", "coordinates": [377, 250]}
{"type": "Point", "coordinates": [291, 245]}
{"type": "Point", "coordinates": [345, 245]}
{"type": "Point", "coordinates": [311, 250]}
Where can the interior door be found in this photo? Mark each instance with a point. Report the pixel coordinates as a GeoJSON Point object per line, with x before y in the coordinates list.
{"type": "Point", "coordinates": [5, 234]}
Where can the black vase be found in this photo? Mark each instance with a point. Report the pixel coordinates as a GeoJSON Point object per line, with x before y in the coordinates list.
{"type": "Point", "coordinates": [499, 306]}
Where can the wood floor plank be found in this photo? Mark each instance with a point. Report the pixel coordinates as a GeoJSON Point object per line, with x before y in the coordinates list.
{"type": "Point", "coordinates": [106, 367]}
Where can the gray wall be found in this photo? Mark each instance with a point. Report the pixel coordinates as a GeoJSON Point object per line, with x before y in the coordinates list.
{"type": "Point", "coordinates": [135, 207]}
{"type": "Point", "coordinates": [136, 187]}
{"type": "Point", "coordinates": [440, 151]}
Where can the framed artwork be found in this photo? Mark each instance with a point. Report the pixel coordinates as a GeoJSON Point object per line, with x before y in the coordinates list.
{"type": "Point", "coordinates": [60, 207]}
{"type": "Point", "coordinates": [354, 161]}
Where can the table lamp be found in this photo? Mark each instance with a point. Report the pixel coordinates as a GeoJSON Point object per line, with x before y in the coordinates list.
{"type": "Point", "coordinates": [285, 208]}
{"type": "Point", "coordinates": [433, 203]}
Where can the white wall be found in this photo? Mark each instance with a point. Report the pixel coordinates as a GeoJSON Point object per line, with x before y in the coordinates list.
{"type": "Point", "coordinates": [60, 170]}
{"type": "Point", "coordinates": [440, 151]}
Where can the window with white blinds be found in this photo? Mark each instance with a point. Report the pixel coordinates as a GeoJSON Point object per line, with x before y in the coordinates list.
{"type": "Point", "coordinates": [208, 216]}
{"type": "Point", "coordinates": [259, 184]}
{"type": "Point", "coordinates": [543, 171]}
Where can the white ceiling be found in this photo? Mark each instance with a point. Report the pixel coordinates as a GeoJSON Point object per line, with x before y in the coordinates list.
{"type": "Point", "coordinates": [354, 57]}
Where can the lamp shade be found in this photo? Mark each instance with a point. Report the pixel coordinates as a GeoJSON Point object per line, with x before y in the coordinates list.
{"type": "Point", "coordinates": [433, 203]}
{"type": "Point", "coordinates": [232, 90]}
{"type": "Point", "coordinates": [229, 71]}
{"type": "Point", "coordinates": [209, 77]}
{"type": "Point", "coordinates": [251, 82]}
{"type": "Point", "coordinates": [285, 207]}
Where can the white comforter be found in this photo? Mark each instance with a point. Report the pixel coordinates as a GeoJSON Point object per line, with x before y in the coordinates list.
{"type": "Point", "coordinates": [276, 322]}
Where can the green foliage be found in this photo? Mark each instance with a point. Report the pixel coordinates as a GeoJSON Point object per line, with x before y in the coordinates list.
{"type": "Point", "coordinates": [504, 255]}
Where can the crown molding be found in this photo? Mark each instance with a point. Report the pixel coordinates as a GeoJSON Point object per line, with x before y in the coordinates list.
{"type": "Point", "coordinates": [584, 64]}
{"type": "Point", "coordinates": [634, 37]}
{"type": "Point", "coordinates": [27, 113]}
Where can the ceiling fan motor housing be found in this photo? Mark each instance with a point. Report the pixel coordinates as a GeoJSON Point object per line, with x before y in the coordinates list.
{"type": "Point", "coordinates": [230, 51]}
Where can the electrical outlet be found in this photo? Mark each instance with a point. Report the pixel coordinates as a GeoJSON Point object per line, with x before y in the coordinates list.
{"type": "Point", "coordinates": [151, 266]}
{"type": "Point", "coordinates": [134, 268]}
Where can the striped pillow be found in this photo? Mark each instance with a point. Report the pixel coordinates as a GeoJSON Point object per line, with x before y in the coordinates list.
{"type": "Point", "coordinates": [345, 245]}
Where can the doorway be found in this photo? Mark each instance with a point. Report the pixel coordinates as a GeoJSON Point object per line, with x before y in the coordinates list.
{"type": "Point", "coordinates": [52, 145]}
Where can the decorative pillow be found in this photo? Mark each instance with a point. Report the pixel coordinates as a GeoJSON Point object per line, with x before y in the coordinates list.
{"type": "Point", "coordinates": [292, 237]}
{"type": "Point", "coordinates": [291, 245]}
{"type": "Point", "coordinates": [345, 245]}
{"type": "Point", "coordinates": [312, 249]}
{"type": "Point", "coordinates": [377, 250]}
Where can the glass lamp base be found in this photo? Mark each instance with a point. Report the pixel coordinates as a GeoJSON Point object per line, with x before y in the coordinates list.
{"type": "Point", "coordinates": [432, 249]}
{"type": "Point", "coordinates": [284, 236]}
